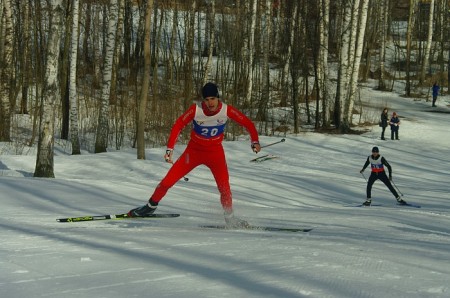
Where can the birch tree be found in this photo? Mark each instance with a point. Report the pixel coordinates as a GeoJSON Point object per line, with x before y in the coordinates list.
{"type": "Point", "coordinates": [265, 94]}
{"type": "Point", "coordinates": [145, 83]}
{"type": "Point", "coordinates": [25, 64]}
{"type": "Point", "coordinates": [295, 64]}
{"type": "Point", "coordinates": [426, 59]}
{"type": "Point", "coordinates": [448, 50]}
{"type": "Point", "coordinates": [288, 55]}
{"type": "Point", "coordinates": [359, 26]}
{"type": "Point", "coordinates": [101, 141]}
{"type": "Point", "coordinates": [249, 48]}
{"type": "Point", "coordinates": [171, 64]}
{"type": "Point", "coordinates": [74, 137]}
{"type": "Point", "coordinates": [412, 5]}
{"type": "Point", "coordinates": [443, 24]}
{"type": "Point", "coordinates": [384, 6]}
{"type": "Point", "coordinates": [210, 29]}
{"type": "Point", "coordinates": [343, 74]}
{"type": "Point", "coordinates": [353, 26]}
{"type": "Point", "coordinates": [6, 73]}
{"type": "Point", "coordinates": [189, 63]}
{"type": "Point", "coordinates": [323, 59]}
{"type": "Point", "coordinates": [44, 161]}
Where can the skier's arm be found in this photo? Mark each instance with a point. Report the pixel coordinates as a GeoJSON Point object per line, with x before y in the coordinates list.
{"type": "Point", "coordinates": [365, 165]}
{"type": "Point", "coordinates": [237, 116]}
{"type": "Point", "coordinates": [178, 126]}
{"type": "Point", "coordinates": [388, 166]}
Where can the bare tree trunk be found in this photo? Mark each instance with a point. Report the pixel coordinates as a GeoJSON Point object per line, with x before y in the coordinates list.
{"type": "Point", "coordinates": [288, 56]}
{"type": "Point", "coordinates": [44, 161]}
{"type": "Point", "coordinates": [343, 74]}
{"type": "Point", "coordinates": [295, 65]}
{"type": "Point", "coordinates": [412, 5]}
{"type": "Point", "coordinates": [170, 74]}
{"type": "Point", "coordinates": [73, 98]}
{"type": "Point", "coordinates": [426, 59]}
{"type": "Point", "coordinates": [101, 141]}
{"type": "Point", "coordinates": [189, 64]}
{"type": "Point", "coordinates": [324, 11]}
{"type": "Point", "coordinates": [145, 83]}
{"type": "Point", "coordinates": [25, 59]}
{"type": "Point", "coordinates": [448, 38]}
{"type": "Point", "coordinates": [360, 27]}
{"type": "Point", "coordinates": [384, 7]}
{"type": "Point", "coordinates": [249, 48]}
{"type": "Point", "coordinates": [210, 18]}
{"type": "Point", "coordinates": [65, 76]}
{"type": "Point", "coordinates": [442, 13]}
{"type": "Point", "coordinates": [265, 94]}
{"type": "Point", "coordinates": [6, 74]}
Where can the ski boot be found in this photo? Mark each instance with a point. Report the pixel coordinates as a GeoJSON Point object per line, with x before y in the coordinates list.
{"type": "Point", "coordinates": [401, 202]}
{"type": "Point", "coordinates": [368, 202]}
{"type": "Point", "coordinates": [142, 211]}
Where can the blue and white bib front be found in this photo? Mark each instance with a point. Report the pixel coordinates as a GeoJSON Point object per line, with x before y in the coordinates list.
{"type": "Point", "coordinates": [210, 126]}
{"type": "Point", "coordinates": [376, 164]}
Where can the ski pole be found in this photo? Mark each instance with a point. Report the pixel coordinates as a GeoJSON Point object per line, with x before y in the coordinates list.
{"type": "Point", "coordinates": [397, 188]}
{"type": "Point", "coordinates": [281, 141]}
{"type": "Point", "coordinates": [171, 162]}
{"type": "Point", "coordinates": [363, 176]}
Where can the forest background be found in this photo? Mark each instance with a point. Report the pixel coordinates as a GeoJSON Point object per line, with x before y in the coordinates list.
{"type": "Point", "coordinates": [96, 74]}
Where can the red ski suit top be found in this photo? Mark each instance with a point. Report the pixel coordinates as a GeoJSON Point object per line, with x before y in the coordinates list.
{"type": "Point", "coordinates": [204, 147]}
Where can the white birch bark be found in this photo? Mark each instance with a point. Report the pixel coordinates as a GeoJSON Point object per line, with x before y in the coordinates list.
{"type": "Point", "coordinates": [50, 96]}
{"type": "Point", "coordinates": [426, 59]}
{"type": "Point", "coordinates": [265, 95]}
{"type": "Point", "coordinates": [250, 49]}
{"type": "Point", "coordinates": [324, 14]}
{"type": "Point", "coordinates": [343, 75]}
{"type": "Point", "coordinates": [352, 43]}
{"type": "Point", "coordinates": [384, 6]}
{"type": "Point", "coordinates": [101, 141]}
{"type": "Point", "coordinates": [288, 55]}
{"type": "Point", "coordinates": [173, 39]}
{"type": "Point", "coordinates": [73, 99]}
{"type": "Point", "coordinates": [360, 25]}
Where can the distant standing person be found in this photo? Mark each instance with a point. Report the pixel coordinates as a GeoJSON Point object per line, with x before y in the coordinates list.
{"type": "Point", "coordinates": [377, 163]}
{"type": "Point", "coordinates": [395, 125]}
{"type": "Point", "coordinates": [384, 122]}
{"type": "Point", "coordinates": [435, 93]}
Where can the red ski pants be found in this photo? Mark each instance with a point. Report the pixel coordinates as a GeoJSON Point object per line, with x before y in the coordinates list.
{"type": "Point", "coordinates": [213, 157]}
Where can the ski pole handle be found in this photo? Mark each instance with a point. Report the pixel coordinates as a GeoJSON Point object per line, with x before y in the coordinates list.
{"type": "Point", "coordinates": [281, 141]}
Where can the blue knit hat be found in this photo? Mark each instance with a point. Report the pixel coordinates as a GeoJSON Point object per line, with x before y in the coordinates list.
{"type": "Point", "coordinates": [210, 90]}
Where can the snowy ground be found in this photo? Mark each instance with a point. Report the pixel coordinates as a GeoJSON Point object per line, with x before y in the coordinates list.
{"type": "Point", "coordinates": [380, 251]}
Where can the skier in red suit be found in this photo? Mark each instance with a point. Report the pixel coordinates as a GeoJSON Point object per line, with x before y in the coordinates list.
{"type": "Point", "coordinates": [208, 120]}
